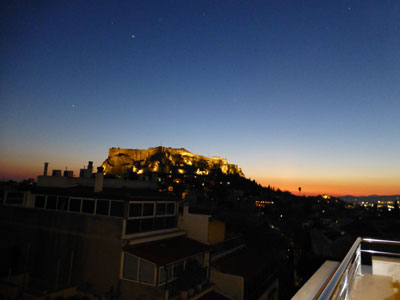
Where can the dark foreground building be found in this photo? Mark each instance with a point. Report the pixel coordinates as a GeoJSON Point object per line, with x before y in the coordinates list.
{"type": "Point", "coordinates": [113, 243]}
{"type": "Point", "coordinates": [108, 238]}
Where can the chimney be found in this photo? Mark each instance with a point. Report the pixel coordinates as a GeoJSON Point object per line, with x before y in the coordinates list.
{"type": "Point", "coordinates": [90, 168]}
{"type": "Point", "coordinates": [99, 179]}
{"type": "Point", "coordinates": [46, 166]}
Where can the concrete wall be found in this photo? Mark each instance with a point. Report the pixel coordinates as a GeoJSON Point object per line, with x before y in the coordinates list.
{"type": "Point", "coordinates": [310, 289]}
{"type": "Point", "coordinates": [195, 225]}
{"type": "Point", "coordinates": [386, 266]}
{"type": "Point", "coordinates": [61, 249]}
{"type": "Point", "coordinates": [216, 232]}
{"type": "Point", "coordinates": [229, 285]}
{"type": "Point", "coordinates": [199, 227]}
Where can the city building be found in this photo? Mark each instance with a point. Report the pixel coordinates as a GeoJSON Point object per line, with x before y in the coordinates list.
{"type": "Point", "coordinates": [64, 236]}
{"type": "Point", "coordinates": [108, 238]}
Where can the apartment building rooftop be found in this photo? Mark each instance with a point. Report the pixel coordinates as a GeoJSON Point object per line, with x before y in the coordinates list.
{"type": "Point", "coordinates": [167, 251]}
{"type": "Point", "coordinates": [108, 193]}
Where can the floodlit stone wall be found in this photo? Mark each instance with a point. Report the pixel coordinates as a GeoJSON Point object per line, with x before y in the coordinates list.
{"type": "Point", "coordinates": [121, 161]}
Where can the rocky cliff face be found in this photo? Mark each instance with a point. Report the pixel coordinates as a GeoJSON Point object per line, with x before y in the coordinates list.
{"type": "Point", "coordinates": [164, 160]}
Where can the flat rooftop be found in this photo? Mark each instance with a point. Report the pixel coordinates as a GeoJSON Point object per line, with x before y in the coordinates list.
{"type": "Point", "coordinates": [167, 251]}
{"type": "Point", "coordinates": [245, 262]}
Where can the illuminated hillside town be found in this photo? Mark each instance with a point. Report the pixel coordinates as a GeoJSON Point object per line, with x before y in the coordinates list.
{"type": "Point", "coordinates": [164, 223]}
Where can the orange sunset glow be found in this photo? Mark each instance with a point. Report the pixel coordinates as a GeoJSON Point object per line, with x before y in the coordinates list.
{"type": "Point", "coordinates": [338, 188]}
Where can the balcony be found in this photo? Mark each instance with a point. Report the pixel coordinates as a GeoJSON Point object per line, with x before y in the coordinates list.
{"type": "Point", "coordinates": [369, 271]}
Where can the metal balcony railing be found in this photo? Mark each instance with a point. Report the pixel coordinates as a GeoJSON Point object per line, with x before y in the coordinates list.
{"type": "Point", "coordinates": [339, 285]}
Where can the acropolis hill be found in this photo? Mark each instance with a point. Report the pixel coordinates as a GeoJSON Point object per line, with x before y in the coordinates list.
{"type": "Point", "coordinates": [164, 160]}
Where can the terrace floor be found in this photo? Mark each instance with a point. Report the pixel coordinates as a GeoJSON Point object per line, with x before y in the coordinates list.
{"type": "Point", "coordinates": [374, 287]}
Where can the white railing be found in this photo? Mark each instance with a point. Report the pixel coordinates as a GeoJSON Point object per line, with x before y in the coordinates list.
{"type": "Point", "coordinates": [339, 285]}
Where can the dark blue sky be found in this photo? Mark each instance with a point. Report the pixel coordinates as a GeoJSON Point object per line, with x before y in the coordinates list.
{"type": "Point", "coordinates": [295, 92]}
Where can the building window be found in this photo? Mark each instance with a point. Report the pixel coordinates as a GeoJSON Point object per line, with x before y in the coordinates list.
{"type": "Point", "coordinates": [146, 271]}
{"type": "Point", "coordinates": [130, 268]}
{"type": "Point", "coordinates": [75, 204]}
{"type": "Point", "coordinates": [161, 207]}
{"type": "Point", "coordinates": [148, 209]}
{"type": "Point", "coordinates": [150, 224]}
{"type": "Point", "coordinates": [62, 203]}
{"type": "Point", "coordinates": [51, 202]}
{"type": "Point", "coordinates": [87, 206]}
{"type": "Point", "coordinates": [40, 201]}
{"type": "Point", "coordinates": [171, 209]}
{"type": "Point", "coordinates": [135, 209]}
{"type": "Point", "coordinates": [138, 269]}
{"type": "Point", "coordinates": [150, 217]}
{"type": "Point", "coordinates": [103, 207]}
{"type": "Point", "coordinates": [163, 274]}
{"type": "Point", "coordinates": [117, 209]}
{"type": "Point", "coordinates": [178, 269]}
{"type": "Point", "coordinates": [151, 209]}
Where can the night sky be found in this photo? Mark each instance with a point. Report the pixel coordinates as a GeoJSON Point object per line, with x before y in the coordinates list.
{"type": "Point", "coordinates": [297, 93]}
